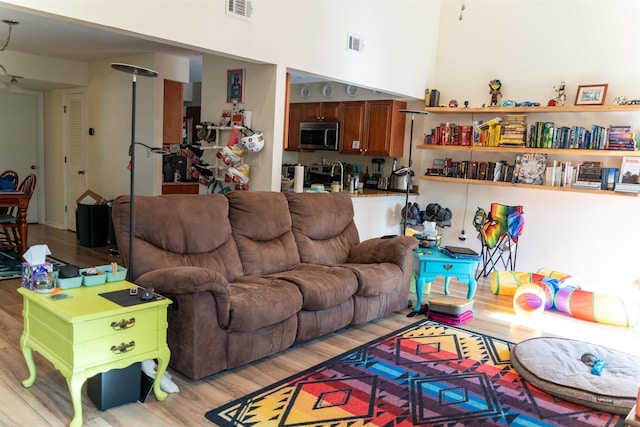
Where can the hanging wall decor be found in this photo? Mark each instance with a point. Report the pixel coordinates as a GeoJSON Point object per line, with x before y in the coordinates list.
{"type": "Point", "coordinates": [235, 85]}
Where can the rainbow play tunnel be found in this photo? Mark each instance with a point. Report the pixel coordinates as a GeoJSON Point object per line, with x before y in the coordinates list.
{"type": "Point", "coordinates": [535, 292]}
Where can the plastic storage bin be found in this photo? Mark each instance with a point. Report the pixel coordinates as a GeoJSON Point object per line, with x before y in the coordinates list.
{"type": "Point", "coordinates": [67, 283]}
{"type": "Point", "coordinates": [121, 273]}
{"type": "Point", "coordinates": [93, 280]}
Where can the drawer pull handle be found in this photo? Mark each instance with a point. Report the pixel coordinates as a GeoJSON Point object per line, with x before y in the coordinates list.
{"type": "Point", "coordinates": [447, 267]}
{"type": "Point", "coordinates": [123, 324]}
{"type": "Point", "coordinates": [123, 348]}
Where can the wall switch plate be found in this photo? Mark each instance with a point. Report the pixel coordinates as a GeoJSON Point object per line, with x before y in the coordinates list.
{"type": "Point", "coordinates": [355, 145]}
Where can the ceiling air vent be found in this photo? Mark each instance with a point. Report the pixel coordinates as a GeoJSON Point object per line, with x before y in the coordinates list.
{"type": "Point", "coordinates": [355, 43]}
{"type": "Point", "coordinates": [239, 8]}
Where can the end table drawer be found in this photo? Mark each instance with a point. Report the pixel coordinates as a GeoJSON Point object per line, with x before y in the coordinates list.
{"type": "Point", "coordinates": [139, 321]}
{"type": "Point", "coordinates": [109, 349]}
{"type": "Point", "coordinates": [448, 268]}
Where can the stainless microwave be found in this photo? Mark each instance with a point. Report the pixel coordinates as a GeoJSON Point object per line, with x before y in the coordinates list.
{"type": "Point", "coordinates": [319, 135]}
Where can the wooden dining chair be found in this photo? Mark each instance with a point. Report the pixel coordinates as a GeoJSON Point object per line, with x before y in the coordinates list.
{"type": "Point", "coordinates": [9, 235]}
{"type": "Point", "coordinates": [8, 181]}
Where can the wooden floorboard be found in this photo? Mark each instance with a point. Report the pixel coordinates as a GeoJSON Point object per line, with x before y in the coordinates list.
{"type": "Point", "coordinates": [47, 402]}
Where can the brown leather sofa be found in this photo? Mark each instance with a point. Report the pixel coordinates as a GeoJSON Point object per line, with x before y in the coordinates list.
{"type": "Point", "coordinates": [251, 273]}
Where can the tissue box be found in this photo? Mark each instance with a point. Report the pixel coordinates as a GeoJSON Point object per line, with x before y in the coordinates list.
{"type": "Point", "coordinates": [38, 277]}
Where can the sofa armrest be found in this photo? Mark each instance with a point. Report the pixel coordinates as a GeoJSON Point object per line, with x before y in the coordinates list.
{"type": "Point", "coordinates": [393, 250]}
{"type": "Point", "coordinates": [191, 280]}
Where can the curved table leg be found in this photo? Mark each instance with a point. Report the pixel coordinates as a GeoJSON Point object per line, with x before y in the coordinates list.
{"type": "Point", "coordinates": [447, 279]}
{"type": "Point", "coordinates": [28, 357]}
{"type": "Point", "coordinates": [75, 389]}
{"type": "Point", "coordinates": [163, 363]}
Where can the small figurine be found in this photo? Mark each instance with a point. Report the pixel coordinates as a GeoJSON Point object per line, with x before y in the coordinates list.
{"type": "Point", "coordinates": [466, 104]}
{"type": "Point", "coordinates": [561, 94]}
{"type": "Point", "coordinates": [495, 86]}
{"type": "Point", "coordinates": [453, 103]}
{"type": "Point", "coordinates": [620, 100]}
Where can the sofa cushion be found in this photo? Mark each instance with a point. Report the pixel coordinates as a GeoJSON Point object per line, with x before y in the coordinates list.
{"type": "Point", "coordinates": [261, 227]}
{"type": "Point", "coordinates": [170, 231]}
{"type": "Point", "coordinates": [321, 286]}
{"type": "Point", "coordinates": [323, 226]}
{"type": "Point", "coordinates": [375, 279]}
{"type": "Point", "coordinates": [257, 302]}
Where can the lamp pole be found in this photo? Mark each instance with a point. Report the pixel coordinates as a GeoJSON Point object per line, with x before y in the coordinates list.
{"type": "Point", "coordinates": [406, 197]}
{"type": "Point", "coordinates": [135, 71]}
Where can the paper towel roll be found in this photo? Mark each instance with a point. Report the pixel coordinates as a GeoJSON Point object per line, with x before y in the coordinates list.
{"type": "Point", "coordinates": [246, 118]}
{"type": "Point", "coordinates": [298, 179]}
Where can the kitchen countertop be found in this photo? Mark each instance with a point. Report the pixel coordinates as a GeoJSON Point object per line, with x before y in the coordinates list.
{"type": "Point", "coordinates": [373, 192]}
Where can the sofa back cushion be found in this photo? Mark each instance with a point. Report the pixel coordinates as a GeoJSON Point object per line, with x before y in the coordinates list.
{"type": "Point", "coordinates": [261, 227]}
{"type": "Point", "coordinates": [323, 226]}
{"type": "Point", "coordinates": [178, 230]}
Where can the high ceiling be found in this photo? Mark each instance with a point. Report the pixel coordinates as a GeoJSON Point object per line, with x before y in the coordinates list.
{"type": "Point", "coordinates": [45, 36]}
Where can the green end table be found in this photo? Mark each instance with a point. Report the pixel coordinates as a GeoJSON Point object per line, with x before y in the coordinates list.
{"type": "Point", "coordinates": [431, 263]}
{"type": "Point", "coordinates": [87, 334]}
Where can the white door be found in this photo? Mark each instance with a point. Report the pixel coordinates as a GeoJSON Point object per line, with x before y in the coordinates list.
{"type": "Point", "coordinates": [76, 178]}
{"type": "Point", "coordinates": [20, 132]}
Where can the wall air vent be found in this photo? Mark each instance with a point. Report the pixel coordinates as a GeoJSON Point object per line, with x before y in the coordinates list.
{"type": "Point", "coordinates": [239, 8]}
{"type": "Point", "coordinates": [355, 43]}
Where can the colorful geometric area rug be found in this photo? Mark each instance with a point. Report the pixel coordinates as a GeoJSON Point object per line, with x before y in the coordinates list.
{"type": "Point", "coordinates": [426, 374]}
{"type": "Point", "coordinates": [11, 264]}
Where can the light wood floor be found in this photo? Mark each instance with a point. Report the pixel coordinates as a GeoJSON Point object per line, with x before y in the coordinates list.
{"type": "Point", "coordinates": [47, 402]}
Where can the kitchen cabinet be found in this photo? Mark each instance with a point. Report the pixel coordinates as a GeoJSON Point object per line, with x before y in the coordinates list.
{"type": "Point", "coordinates": [588, 153]}
{"type": "Point", "coordinates": [320, 112]}
{"type": "Point", "coordinates": [172, 113]}
{"type": "Point", "coordinates": [295, 117]}
{"type": "Point", "coordinates": [383, 133]}
{"type": "Point", "coordinates": [352, 126]}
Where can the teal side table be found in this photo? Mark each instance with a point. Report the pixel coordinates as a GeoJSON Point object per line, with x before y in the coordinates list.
{"type": "Point", "coordinates": [431, 263]}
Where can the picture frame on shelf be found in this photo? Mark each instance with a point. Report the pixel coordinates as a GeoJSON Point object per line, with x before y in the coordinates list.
{"type": "Point", "coordinates": [235, 85]}
{"type": "Point", "coordinates": [591, 94]}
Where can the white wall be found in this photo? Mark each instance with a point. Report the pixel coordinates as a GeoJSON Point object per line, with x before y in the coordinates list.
{"type": "Point", "coordinates": [400, 35]}
{"type": "Point", "coordinates": [531, 45]}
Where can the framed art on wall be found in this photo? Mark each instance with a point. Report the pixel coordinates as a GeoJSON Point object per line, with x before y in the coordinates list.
{"type": "Point", "coordinates": [591, 94]}
{"type": "Point", "coordinates": [235, 85]}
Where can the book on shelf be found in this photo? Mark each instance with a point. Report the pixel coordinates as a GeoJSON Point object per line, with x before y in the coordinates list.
{"type": "Point", "coordinates": [630, 170]}
{"type": "Point", "coordinates": [629, 181]}
{"type": "Point", "coordinates": [610, 177]}
{"type": "Point", "coordinates": [590, 172]}
{"type": "Point", "coordinates": [532, 168]}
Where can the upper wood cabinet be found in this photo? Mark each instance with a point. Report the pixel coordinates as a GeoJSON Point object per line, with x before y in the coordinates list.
{"type": "Point", "coordinates": [321, 112]}
{"type": "Point", "coordinates": [295, 117]}
{"type": "Point", "coordinates": [172, 113]}
{"type": "Point", "coordinates": [384, 132]}
{"type": "Point", "coordinates": [373, 128]}
{"type": "Point", "coordinates": [352, 127]}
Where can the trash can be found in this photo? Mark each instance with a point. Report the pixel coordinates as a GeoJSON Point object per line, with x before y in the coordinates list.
{"type": "Point", "coordinates": [92, 225]}
{"type": "Point", "coordinates": [115, 387]}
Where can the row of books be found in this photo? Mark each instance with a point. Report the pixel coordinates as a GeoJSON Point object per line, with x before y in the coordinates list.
{"type": "Point", "coordinates": [495, 133]}
{"type": "Point", "coordinates": [528, 168]}
{"type": "Point", "coordinates": [533, 168]}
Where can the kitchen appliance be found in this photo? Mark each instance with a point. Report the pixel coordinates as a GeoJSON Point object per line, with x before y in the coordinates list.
{"type": "Point", "coordinates": [289, 172]}
{"type": "Point", "coordinates": [374, 179]}
{"type": "Point", "coordinates": [319, 135]}
{"type": "Point", "coordinates": [400, 179]}
{"type": "Point", "coordinates": [321, 174]}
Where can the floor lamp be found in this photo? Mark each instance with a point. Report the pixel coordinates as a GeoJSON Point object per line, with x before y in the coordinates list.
{"type": "Point", "coordinates": [406, 197]}
{"type": "Point", "coordinates": [145, 72]}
